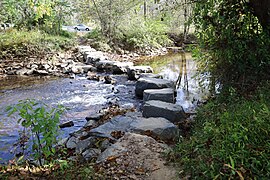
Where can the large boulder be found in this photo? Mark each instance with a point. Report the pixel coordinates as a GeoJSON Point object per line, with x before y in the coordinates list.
{"type": "Point", "coordinates": [173, 112]}
{"type": "Point", "coordinates": [165, 95]}
{"type": "Point", "coordinates": [159, 128]}
{"type": "Point", "coordinates": [152, 83]}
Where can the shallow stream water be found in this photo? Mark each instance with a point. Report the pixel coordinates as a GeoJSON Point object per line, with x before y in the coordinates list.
{"type": "Point", "coordinates": [181, 68]}
{"type": "Point", "coordinates": [84, 97]}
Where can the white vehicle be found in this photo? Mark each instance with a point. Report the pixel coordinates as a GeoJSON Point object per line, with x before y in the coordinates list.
{"type": "Point", "coordinates": [82, 27]}
{"type": "Point", "coordinates": [4, 26]}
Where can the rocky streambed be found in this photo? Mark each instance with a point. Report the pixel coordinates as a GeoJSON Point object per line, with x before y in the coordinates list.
{"type": "Point", "coordinates": [123, 114]}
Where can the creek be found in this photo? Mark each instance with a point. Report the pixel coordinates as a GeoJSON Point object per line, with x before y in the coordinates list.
{"type": "Point", "coordinates": [83, 97]}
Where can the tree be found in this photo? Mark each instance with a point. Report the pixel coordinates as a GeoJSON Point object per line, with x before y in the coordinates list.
{"type": "Point", "coordinates": [235, 43]}
{"type": "Point", "coordinates": [35, 13]}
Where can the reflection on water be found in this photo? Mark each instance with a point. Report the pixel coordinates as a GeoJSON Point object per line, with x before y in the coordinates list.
{"type": "Point", "coordinates": [180, 68]}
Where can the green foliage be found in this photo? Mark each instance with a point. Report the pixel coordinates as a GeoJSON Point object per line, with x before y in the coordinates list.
{"type": "Point", "coordinates": [230, 139]}
{"type": "Point", "coordinates": [235, 47]}
{"type": "Point", "coordinates": [137, 34]}
{"type": "Point", "coordinates": [43, 124]}
{"type": "Point", "coordinates": [46, 15]}
{"type": "Point", "coordinates": [142, 34]}
{"type": "Point", "coordinates": [14, 43]}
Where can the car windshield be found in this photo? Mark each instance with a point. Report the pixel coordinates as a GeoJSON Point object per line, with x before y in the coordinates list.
{"type": "Point", "coordinates": [80, 25]}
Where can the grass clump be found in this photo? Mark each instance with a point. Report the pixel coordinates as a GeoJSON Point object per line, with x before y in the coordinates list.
{"type": "Point", "coordinates": [20, 44]}
{"type": "Point", "coordinates": [230, 139]}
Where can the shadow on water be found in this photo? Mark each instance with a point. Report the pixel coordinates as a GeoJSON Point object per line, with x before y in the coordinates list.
{"type": "Point", "coordinates": [181, 68]}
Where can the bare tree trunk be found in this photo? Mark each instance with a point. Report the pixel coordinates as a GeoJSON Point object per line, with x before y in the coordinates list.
{"type": "Point", "coordinates": [144, 9]}
{"type": "Point", "coordinates": [99, 16]}
{"type": "Point", "coordinates": [185, 22]}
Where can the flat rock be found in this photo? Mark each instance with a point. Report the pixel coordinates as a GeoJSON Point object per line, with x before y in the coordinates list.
{"type": "Point", "coordinates": [93, 57]}
{"type": "Point", "coordinates": [133, 72]}
{"type": "Point", "coordinates": [121, 67]}
{"type": "Point", "coordinates": [165, 95]}
{"type": "Point", "coordinates": [152, 83]}
{"type": "Point", "coordinates": [173, 112]}
{"type": "Point", "coordinates": [83, 49]}
{"type": "Point", "coordinates": [141, 69]}
{"type": "Point", "coordinates": [138, 156]}
{"type": "Point", "coordinates": [105, 65]}
{"type": "Point", "coordinates": [159, 128]}
{"type": "Point", "coordinates": [66, 124]}
{"type": "Point", "coordinates": [150, 75]}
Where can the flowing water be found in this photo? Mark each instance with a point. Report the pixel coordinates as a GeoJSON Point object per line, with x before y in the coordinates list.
{"type": "Point", "coordinates": [84, 97]}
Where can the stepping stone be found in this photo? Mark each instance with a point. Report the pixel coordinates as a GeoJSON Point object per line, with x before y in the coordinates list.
{"type": "Point", "coordinates": [83, 49]}
{"type": "Point", "coordinates": [150, 75]}
{"type": "Point", "coordinates": [93, 57]}
{"type": "Point", "coordinates": [105, 65]}
{"type": "Point", "coordinates": [134, 71]}
{"type": "Point", "coordinates": [152, 83]}
{"type": "Point", "coordinates": [173, 112]}
{"type": "Point", "coordinates": [159, 128]}
{"type": "Point", "coordinates": [165, 95]}
{"type": "Point", "coordinates": [121, 67]}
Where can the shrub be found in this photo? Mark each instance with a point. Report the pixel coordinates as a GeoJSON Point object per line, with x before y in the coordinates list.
{"type": "Point", "coordinates": [137, 34]}
{"type": "Point", "coordinates": [230, 139]}
{"type": "Point", "coordinates": [42, 124]}
{"type": "Point", "coordinates": [144, 34]}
